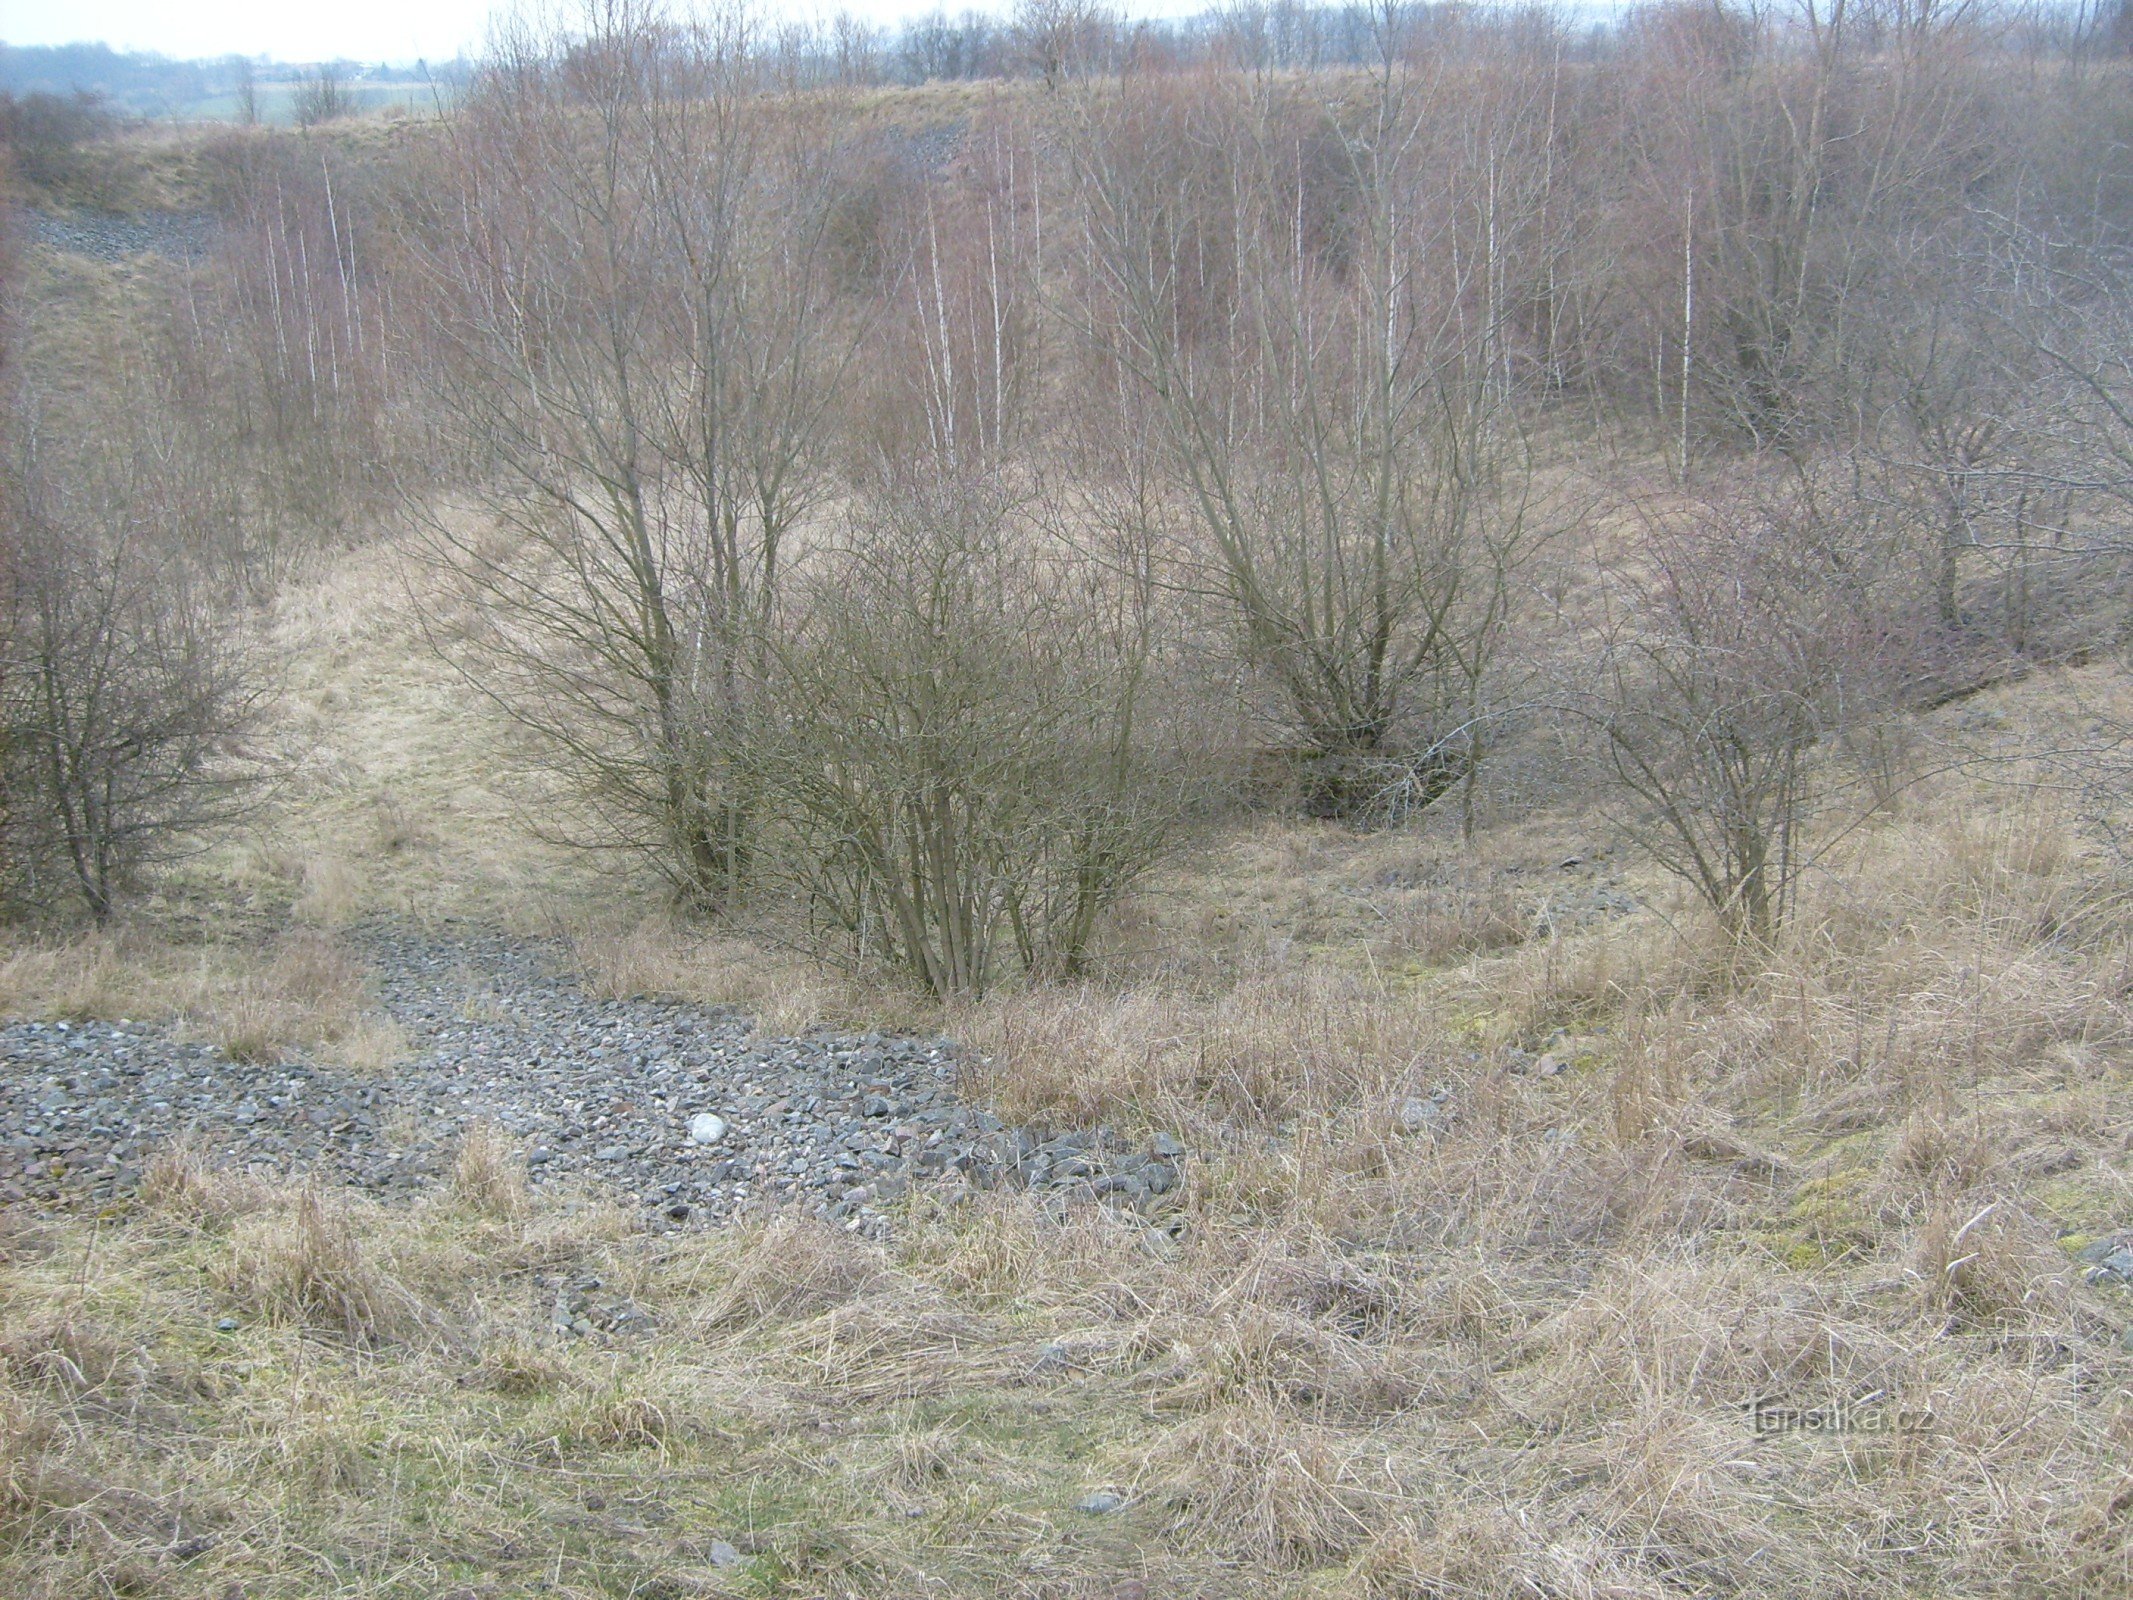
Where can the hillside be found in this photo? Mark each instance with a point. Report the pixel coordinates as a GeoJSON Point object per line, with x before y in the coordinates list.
{"type": "Point", "coordinates": [1095, 842]}
{"type": "Point", "coordinates": [1497, 1196]}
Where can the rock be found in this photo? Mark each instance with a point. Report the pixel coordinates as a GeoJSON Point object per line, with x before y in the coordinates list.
{"type": "Point", "coordinates": [1102, 1501]}
{"type": "Point", "coordinates": [1419, 1115]}
{"type": "Point", "coordinates": [2115, 1268]}
{"type": "Point", "coordinates": [1165, 1148]}
{"type": "Point", "coordinates": [706, 1128]}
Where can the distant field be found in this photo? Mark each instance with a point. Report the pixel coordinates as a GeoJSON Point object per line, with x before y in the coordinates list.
{"type": "Point", "coordinates": [277, 101]}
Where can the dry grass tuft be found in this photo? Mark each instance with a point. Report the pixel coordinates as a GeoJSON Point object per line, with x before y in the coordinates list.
{"type": "Point", "coordinates": [919, 1459]}
{"type": "Point", "coordinates": [793, 1267]}
{"type": "Point", "coordinates": [307, 1265]}
{"type": "Point", "coordinates": [26, 1435]}
{"type": "Point", "coordinates": [1254, 1482]}
{"type": "Point", "coordinates": [615, 1418]}
{"type": "Point", "coordinates": [311, 992]}
{"type": "Point", "coordinates": [1702, 1333]}
{"type": "Point", "coordinates": [1262, 1052]}
{"type": "Point", "coordinates": [658, 958]}
{"type": "Point", "coordinates": [489, 1175]}
{"type": "Point", "coordinates": [92, 976]}
{"type": "Point", "coordinates": [1007, 1250]}
{"type": "Point", "coordinates": [308, 992]}
{"type": "Point", "coordinates": [329, 892]}
{"type": "Point", "coordinates": [181, 1182]}
{"type": "Point", "coordinates": [1257, 1352]}
{"type": "Point", "coordinates": [1990, 1267]}
{"type": "Point", "coordinates": [512, 1366]}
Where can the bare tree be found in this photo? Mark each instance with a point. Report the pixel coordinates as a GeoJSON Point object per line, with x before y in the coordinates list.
{"type": "Point", "coordinates": [960, 742]}
{"type": "Point", "coordinates": [322, 95]}
{"type": "Point", "coordinates": [641, 349]}
{"type": "Point", "coordinates": [1054, 38]}
{"type": "Point", "coordinates": [1779, 152]}
{"type": "Point", "coordinates": [246, 92]}
{"type": "Point", "coordinates": [1758, 639]}
{"type": "Point", "coordinates": [1309, 307]}
{"type": "Point", "coordinates": [124, 690]}
{"type": "Point", "coordinates": [934, 48]}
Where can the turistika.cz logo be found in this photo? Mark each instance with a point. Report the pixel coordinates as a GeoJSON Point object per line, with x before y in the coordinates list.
{"type": "Point", "coordinates": [1867, 1414]}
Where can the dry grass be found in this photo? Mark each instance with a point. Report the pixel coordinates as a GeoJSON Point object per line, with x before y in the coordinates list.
{"type": "Point", "coordinates": [307, 991]}
{"type": "Point", "coordinates": [1255, 1483]}
{"type": "Point", "coordinates": [307, 1264]}
{"type": "Point", "coordinates": [489, 1175]}
{"type": "Point", "coordinates": [180, 1182]}
{"type": "Point", "coordinates": [1512, 1351]}
{"type": "Point", "coordinates": [1280, 1411]}
{"type": "Point", "coordinates": [788, 1269]}
{"type": "Point", "coordinates": [656, 957]}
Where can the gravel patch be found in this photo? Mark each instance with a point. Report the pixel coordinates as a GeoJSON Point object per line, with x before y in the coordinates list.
{"type": "Point", "coordinates": [114, 236]}
{"type": "Point", "coordinates": [679, 1108]}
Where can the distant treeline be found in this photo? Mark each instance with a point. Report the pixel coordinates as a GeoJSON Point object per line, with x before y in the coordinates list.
{"type": "Point", "coordinates": [146, 84]}
{"type": "Point", "coordinates": [1045, 39]}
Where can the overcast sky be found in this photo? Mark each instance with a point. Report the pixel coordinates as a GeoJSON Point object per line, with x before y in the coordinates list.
{"type": "Point", "coordinates": [362, 30]}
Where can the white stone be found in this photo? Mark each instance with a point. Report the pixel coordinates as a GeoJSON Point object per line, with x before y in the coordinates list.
{"type": "Point", "coordinates": [706, 1128]}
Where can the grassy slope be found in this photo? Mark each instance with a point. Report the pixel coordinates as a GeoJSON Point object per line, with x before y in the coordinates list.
{"type": "Point", "coordinates": [1507, 1360]}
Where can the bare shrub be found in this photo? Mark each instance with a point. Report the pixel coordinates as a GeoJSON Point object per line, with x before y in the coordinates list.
{"type": "Point", "coordinates": [127, 691]}
{"type": "Point", "coordinates": [1308, 325]}
{"type": "Point", "coordinates": [959, 748]}
{"type": "Point", "coordinates": [45, 135]}
{"type": "Point", "coordinates": [1754, 641]}
{"type": "Point", "coordinates": [650, 416]}
{"type": "Point", "coordinates": [322, 95]}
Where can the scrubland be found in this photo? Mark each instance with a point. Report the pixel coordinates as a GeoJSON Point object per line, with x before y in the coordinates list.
{"type": "Point", "coordinates": [1515, 639]}
{"type": "Point", "coordinates": [1514, 1352]}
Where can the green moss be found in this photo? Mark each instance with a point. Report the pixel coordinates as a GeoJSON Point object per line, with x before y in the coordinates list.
{"type": "Point", "coordinates": [2085, 1200]}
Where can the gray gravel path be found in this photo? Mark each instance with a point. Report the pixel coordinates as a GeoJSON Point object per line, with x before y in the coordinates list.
{"type": "Point", "coordinates": [113, 235]}
{"type": "Point", "coordinates": [677, 1107]}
